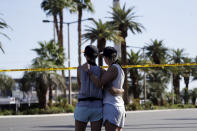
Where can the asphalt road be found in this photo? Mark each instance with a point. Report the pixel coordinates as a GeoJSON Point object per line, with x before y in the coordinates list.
{"type": "Point", "coordinates": [167, 120]}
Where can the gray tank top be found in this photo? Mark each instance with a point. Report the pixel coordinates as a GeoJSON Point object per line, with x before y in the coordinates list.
{"type": "Point", "coordinates": [117, 83]}
{"type": "Point", "coordinates": [88, 89]}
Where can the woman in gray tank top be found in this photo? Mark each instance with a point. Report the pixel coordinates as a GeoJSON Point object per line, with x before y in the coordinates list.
{"type": "Point", "coordinates": [113, 110]}
{"type": "Point", "coordinates": [90, 97]}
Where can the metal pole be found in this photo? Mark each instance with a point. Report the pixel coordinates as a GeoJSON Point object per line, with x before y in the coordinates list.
{"type": "Point", "coordinates": [70, 81]}
{"type": "Point", "coordinates": [69, 75]}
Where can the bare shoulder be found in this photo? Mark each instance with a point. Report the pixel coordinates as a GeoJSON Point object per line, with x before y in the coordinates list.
{"type": "Point", "coordinates": [113, 68]}
{"type": "Point", "coordinates": [82, 66]}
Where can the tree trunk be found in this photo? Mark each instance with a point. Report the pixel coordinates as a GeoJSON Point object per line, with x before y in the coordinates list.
{"type": "Point", "coordinates": [56, 27]}
{"type": "Point", "coordinates": [124, 62]}
{"type": "Point", "coordinates": [194, 100]}
{"type": "Point", "coordinates": [50, 94]}
{"type": "Point", "coordinates": [135, 88]}
{"type": "Point", "coordinates": [186, 97]}
{"type": "Point", "coordinates": [176, 84]}
{"type": "Point", "coordinates": [61, 29]}
{"type": "Point", "coordinates": [79, 34]}
{"type": "Point", "coordinates": [41, 90]}
{"type": "Point", "coordinates": [61, 42]}
{"type": "Point", "coordinates": [135, 83]}
{"type": "Point", "coordinates": [101, 45]}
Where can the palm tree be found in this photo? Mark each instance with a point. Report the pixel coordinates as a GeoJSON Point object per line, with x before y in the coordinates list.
{"type": "Point", "coordinates": [157, 83]}
{"type": "Point", "coordinates": [135, 76]}
{"type": "Point", "coordinates": [82, 5]}
{"type": "Point", "coordinates": [50, 55]}
{"type": "Point", "coordinates": [194, 96]}
{"type": "Point", "coordinates": [156, 51]}
{"type": "Point", "coordinates": [42, 82]}
{"type": "Point", "coordinates": [55, 8]}
{"type": "Point", "coordinates": [101, 32]}
{"type": "Point", "coordinates": [187, 72]}
{"type": "Point", "coordinates": [50, 51]}
{"type": "Point", "coordinates": [124, 19]}
{"type": "Point", "coordinates": [6, 85]}
{"type": "Point", "coordinates": [3, 25]}
{"type": "Point", "coordinates": [157, 54]}
{"type": "Point", "coordinates": [177, 56]}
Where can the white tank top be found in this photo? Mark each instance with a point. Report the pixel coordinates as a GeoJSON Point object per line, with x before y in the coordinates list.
{"type": "Point", "coordinates": [117, 83]}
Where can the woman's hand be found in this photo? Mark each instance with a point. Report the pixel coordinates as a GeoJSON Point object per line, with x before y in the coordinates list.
{"type": "Point", "coordinates": [115, 91]}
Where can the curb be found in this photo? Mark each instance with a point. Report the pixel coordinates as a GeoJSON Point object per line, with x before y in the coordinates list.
{"type": "Point", "coordinates": [71, 114]}
{"type": "Point", "coordinates": [162, 110]}
{"type": "Point", "coordinates": [33, 116]}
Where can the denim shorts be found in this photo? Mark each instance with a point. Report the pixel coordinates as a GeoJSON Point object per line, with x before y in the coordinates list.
{"type": "Point", "coordinates": [114, 114]}
{"type": "Point", "coordinates": [86, 114]}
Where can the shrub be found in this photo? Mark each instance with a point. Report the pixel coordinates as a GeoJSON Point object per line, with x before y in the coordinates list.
{"type": "Point", "coordinates": [180, 106]}
{"type": "Point", "coordinates": [53, 110]}
{"type": "Point", "coordinates": [69, 108]}
{"type": "Point", "coordinates": [74, 102]}
{"type": "Point", "coordinates": [148, 105]}
{"type": "Point", "coordinates": [7, 112]}
{"type": "Point", "coordinates": [134, 106]}
{"type": "Point", "coordinates": [32, 111]}
{"type": "Point", "coordinates": [61, 101]}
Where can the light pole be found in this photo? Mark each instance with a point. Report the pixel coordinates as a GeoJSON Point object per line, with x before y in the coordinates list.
{"type": "Point", "coordinates": [69, 74]}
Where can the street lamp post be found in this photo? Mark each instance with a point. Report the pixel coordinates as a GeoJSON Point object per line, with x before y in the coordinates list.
{"type": "Point", "coordinates": [69, 74]}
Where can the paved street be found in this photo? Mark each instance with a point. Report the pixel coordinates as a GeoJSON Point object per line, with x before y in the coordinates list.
{"type": "Point", "coordinates": [170, 120]}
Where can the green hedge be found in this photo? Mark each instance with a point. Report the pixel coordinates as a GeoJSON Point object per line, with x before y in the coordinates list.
{"type": "Point", "coordinates": [49, 110]}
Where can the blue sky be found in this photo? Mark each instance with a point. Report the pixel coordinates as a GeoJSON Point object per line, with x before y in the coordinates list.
{"type": "Point", "coordinates": [173, 21]}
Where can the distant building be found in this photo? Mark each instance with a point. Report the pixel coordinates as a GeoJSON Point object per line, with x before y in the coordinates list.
{"type": "Point", "coordinates": [31, 96]}
{"type": "Point", "coordinates": [116, 4]}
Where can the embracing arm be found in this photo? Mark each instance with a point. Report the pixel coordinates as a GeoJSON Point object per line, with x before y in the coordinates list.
{"type": "Point", "coordinates": [106, 76]}
{"type": "Point", "coordinates": [106, 80]}
{"type": "Point", "coordinates": [113, 91]}
{"type": "Point", "coordinates": [78, 77]}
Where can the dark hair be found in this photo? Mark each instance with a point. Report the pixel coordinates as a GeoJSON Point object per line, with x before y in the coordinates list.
{"type": "Point", "coordinates": [91, 51]}
{"type": "Point", "coordinates": [110, 52]}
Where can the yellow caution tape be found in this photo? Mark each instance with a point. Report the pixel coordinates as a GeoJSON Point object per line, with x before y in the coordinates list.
{"type": "Point", "coordinates": [159, 65]}
{"type": "Point", "coordinates": [125, 66]}
{"type": "Point", "coordinates": [40, 69]}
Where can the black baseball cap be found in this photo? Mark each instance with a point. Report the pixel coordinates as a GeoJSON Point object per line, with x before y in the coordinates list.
{"type": "Point", "coordinates": [91, 51]}
{"type": "Point", "coordinates": [109, 52]}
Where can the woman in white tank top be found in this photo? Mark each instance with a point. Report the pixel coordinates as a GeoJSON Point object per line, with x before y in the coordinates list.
{"type": "Point", "coordinates": [112, 81]}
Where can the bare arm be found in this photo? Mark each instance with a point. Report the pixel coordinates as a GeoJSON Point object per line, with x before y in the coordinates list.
{"type": "Point", "coordinates": [106, 77]}
{"type": "Point", "coordinates": [78, 77]}
{"type": "Point", "coordinates": [113, 91]}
